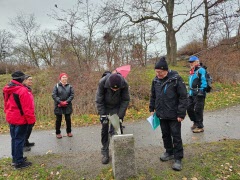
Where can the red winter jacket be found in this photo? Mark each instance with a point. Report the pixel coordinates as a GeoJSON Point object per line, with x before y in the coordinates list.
{"type": "Point", "coordinates": [18, 104]}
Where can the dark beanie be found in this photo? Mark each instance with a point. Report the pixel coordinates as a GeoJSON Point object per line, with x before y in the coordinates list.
{"type": "Point", "coordinates": [27, 76]}
{"type": "Point", "coordinates": [115, 81]}
{"type": "Point", "coordinates": [162, 64]}
{"type": "Point", "coordinates": [18, 76]}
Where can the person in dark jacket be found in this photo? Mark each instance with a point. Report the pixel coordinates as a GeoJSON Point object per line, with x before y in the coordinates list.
{"type": "Point", "coordinates": [169, 101]}
{"type": "Point", "coordinates": [63, 95]}
{"type": "Point", "coordinates": [197, 94]}
{"type": "Point", "coordinates": [112, 97]}
{"type": "Point", "coordinates": [19, 110]}
{"type": "Point", "coordinates": [28, 84]}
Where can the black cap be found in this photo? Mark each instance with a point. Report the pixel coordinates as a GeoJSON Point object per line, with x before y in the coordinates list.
{"type": "Point", "coordinates": [18, 76]}
{"type": "Point", "coordinates": [26, 76]}
{"type": "Point", "coordinates": [162, 64]}
{"type": "Point", "coordinates": [115, 81]}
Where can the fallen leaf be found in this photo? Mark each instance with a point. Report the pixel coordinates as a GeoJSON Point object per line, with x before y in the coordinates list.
{"type": "Point", "coordinates": [194, 138]}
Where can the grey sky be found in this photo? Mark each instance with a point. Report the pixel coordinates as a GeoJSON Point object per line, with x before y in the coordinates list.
{"type": "Point", "coordinates": [10, 8]}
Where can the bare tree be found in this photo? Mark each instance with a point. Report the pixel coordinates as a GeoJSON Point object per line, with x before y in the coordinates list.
{"type": "Point", "coordinates": [216, 12]}
{"type": "Point", "coordinates": [161, 12]}
{"type": "Point", "coordinates": [46, 45]}
{"type": "Point", "coordinates": [6, 43]}
{"type": "Point", "coordinates": [26, 29]}
{"type": "Point", "coordinates": [6, 40]}
{"type": "Point", "coordinates": [80, 23]}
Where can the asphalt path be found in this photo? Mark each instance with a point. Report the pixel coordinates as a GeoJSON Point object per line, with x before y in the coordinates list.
{"type": "Point", "coordinates": [220, 124]}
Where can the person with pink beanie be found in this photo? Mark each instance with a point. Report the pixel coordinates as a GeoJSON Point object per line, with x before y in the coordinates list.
{"type": "Point", "coordinates": [63, 95]}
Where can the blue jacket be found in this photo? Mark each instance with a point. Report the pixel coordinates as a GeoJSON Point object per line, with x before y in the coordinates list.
{"type": "Point", "coordinates": [197, 81]}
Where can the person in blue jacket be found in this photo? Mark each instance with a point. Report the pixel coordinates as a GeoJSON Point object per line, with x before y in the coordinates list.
{"type": "Point", "coordinates": [197, 94]}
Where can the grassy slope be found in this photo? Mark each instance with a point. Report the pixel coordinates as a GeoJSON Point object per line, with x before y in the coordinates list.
{"type": "Point", "coordinates": [223, 95]}
{"type": "Point", "coordinates": [218, 160]}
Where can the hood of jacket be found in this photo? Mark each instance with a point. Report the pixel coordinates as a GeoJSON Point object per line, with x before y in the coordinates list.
{"type": "Point", "coordinates": [12, 87]}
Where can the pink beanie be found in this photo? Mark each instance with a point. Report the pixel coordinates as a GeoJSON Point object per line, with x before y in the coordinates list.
{"type": "Point", "coordinates": [62, 74]}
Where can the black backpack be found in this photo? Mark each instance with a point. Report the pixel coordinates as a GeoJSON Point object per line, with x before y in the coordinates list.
{"type": "Point", "coordinates": [106, 73]}
{"type": "Point", "coordinates": [209, 80]}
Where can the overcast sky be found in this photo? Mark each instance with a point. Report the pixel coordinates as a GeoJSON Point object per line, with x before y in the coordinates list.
{"type": "Point", "coordinates": [41, 8]}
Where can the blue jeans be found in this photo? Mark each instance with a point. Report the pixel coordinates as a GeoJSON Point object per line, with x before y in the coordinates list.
{"type": "Point", "coordinates": [18, 135]}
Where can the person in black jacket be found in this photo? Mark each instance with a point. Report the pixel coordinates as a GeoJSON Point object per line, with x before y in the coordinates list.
{"type": "Point", "coordinates": [112, 97]}
{"type": "Point", "coordinates": [169, 101]}
{"type": "Point", "coordinates": [63, 95]}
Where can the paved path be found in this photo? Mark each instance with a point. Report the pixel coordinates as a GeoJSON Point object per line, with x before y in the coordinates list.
{"type": "Point", "coordinates": [219, 125]}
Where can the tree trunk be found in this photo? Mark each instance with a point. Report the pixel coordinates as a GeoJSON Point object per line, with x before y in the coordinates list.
{"type": "Point", "coordinates": [171, 45]}
{"type": "Point", "coordinates": [206, 25]}
{"type": "Point", "coordinates": [171, 42]}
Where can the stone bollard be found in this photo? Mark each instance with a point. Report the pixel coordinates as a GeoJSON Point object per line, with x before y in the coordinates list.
{"type": "Point", "coordinates": [123, 156]}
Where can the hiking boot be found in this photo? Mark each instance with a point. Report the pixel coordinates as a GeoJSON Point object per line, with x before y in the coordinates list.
{"type": "Point", "coordinates": [193, 127]}
{"type": "Point", "coordinates": [105, 159]}
{"type": "Point", "coordinates": [69, 135]}
{"type": "Point", "coordinates": [197, 130]}
{"type": "Point", "coordinates": [22, 165]}
{"type": "Point", "coordinates": [59, 136]}
{"type": "Point", "coordinates": [24, 159]}
{"type": "Point", "coordinates": [28, 144]}
{"type": "Point", "coordinates": [177, 165]}
{"type": "Point", "coordinates": [26, 149]}
{"type": "Point", "coordinates": [166, 156]}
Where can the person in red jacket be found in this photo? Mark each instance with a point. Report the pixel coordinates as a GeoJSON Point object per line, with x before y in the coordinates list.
{"type": "Point", "coordinates": [19, 110]}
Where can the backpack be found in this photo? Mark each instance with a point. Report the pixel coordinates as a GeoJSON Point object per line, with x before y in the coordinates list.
{"type": "Point", "coordinates": [106, 73]}
{"type": "Point", "coordinates": [209, 80]}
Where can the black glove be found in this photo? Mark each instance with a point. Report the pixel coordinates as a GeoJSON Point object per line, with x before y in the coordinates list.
{"type": "Point", "coordinates": [103, 119]}
{"type": "Point", "coordinates": [200, 93]}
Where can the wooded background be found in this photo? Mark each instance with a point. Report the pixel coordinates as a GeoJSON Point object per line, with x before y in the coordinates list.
{"type": "Point", "coordinates": [91, 39]}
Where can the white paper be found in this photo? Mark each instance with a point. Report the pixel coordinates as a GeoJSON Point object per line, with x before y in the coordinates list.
{"type": "Point", "coordinates": [150, 120]}
{"type": "Point", "coordinates": [115, 121]}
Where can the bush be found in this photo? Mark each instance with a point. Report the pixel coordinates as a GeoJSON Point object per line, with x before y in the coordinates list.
{"type": "Point", "coordinates": [190, 48]}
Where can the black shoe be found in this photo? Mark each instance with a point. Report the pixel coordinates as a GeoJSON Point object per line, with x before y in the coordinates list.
{"type": "Point", "coordinates": [22, 165]}
{"type": "Point", "coordinates": [177, 165]}
{"type": "Point", "coordinates": [26, 149]}
{"type": "Point", "coordinates": [166, 156]}
{"type": "Point", "coordinates": [105, 159]}
{"type": "Point", "coordinates": [24, 159]}
{"type": "Point", "coordinates": [28, 144]}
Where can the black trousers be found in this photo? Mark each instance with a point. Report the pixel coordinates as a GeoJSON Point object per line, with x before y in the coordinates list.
{"type": "Point", "coordinates": [195, 109]}
{"type": "Point", "coordinates": [29, 131]}
{"type": "Point", "coordinates": [105, 140]}
{"type": "Point", "coordinates": [171, 135]}
{"type": "Point", "coordinates": [59, 122]}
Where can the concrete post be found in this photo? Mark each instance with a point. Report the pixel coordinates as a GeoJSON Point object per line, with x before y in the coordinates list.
{"type": "Point", "coordinates": [123, 156]}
